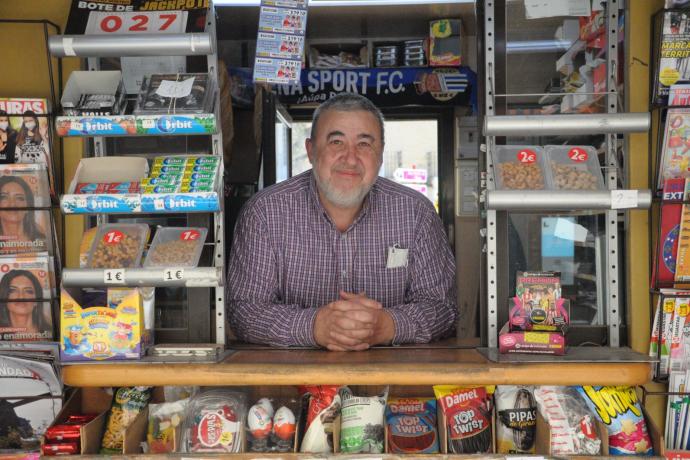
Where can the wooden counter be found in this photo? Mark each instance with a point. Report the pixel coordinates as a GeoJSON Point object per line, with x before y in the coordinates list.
{"type": "Point", "coordinates": [394, 366]}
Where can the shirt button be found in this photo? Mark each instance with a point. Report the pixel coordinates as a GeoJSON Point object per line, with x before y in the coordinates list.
{"type": "Point", "coordinates": [343, 236]}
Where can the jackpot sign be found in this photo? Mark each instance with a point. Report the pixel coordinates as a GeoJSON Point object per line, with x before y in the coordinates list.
{"type": "Point", "coordinates": [385, 87]}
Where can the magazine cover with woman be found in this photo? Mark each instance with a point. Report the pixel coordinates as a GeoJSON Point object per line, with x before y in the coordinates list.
{"type": "Point", "coordinates": [22, 229]}
{"type": "Point", "coordinates": [25, 293]}
{"type": "Point", "coordinates": [25, 133]}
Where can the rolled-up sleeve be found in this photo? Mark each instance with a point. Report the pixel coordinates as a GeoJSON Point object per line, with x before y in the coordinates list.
{"type": "Point", "coordinates": [429, 311]}
{"type": "Point", "coordinates": [254, 310]}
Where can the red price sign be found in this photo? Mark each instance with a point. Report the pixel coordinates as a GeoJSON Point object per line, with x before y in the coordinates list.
{"type": "Point", "coordinates": [189, 235]}
{"type": "Point", "coordinates": [113, 237]}
{"type": "Point", "coordinates": [526, 156]}
{"type": "Point", "coordinates": [151, 22]}
{"type": "Point", "coordinates": [578, 155]}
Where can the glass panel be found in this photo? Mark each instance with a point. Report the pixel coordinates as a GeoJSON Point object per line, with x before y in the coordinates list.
{"type": "Point", "coordinates": [410, 156]}
{"type": "Point", "coordinates": [282, 150]}
{"type": "Point", "coordinates": [569, 244]}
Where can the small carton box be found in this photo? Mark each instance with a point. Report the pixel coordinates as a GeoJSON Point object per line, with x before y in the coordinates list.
{"type": "Point", "coordinates": [84, 83]}
{"type": "Point", "coordinates": [105, 169]}
{"type": "Point", "coordinates": [445, 46]}
{"type": "Point", "coordinates": [102, 331]}
{"type": "Point", "coordinates": [543, 440]}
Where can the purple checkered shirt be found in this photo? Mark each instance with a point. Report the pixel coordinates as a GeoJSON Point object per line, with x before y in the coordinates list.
{"type": "Point", "coordinates": [288, 259]}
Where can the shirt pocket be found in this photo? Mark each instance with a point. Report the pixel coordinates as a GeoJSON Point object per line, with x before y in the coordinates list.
{"type": "Point", "coordinates": [386, 285]}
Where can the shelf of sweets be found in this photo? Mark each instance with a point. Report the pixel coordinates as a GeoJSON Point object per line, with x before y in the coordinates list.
{"type": "Point", "coordinates": [137, 125]}
{"type": "Point", "coordinates": [144, 203]}
{"type": "Point", "coordinates": [404, 365]}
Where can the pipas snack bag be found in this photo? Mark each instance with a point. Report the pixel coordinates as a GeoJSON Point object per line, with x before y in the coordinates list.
{"type": "Point", "coordinates": [468, 417]}
{"type": "Point", "coordinates": [127, 404]}
{"type": "Point", "coordinates": [361, 423]}
{"type": "Point", "coordinates": [573, 431]}
{"type": "Point", "coordinates": [619, 409]}
{"type": "Point", "coordinates": [516, 421]}
{"type": "Point", "coordinates": [324, 407]}
{"type": "Point", "coordinates": [412, 426]}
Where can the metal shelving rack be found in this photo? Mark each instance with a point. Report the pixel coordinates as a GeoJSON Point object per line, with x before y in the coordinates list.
{"type": "Point", "coordinates": [610, 124]}
{"type": "Point", "coordinates": [93, 48]}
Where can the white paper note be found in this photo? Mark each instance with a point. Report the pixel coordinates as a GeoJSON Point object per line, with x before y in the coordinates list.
{"type": "Point", "coordinates": [549, 8]}
{"type": "Point", "coordinates": [169, 88]}
{"type": "Point", "coordinates": [568, 230]}
{"type": "Point", "coordinates": [623, 199]}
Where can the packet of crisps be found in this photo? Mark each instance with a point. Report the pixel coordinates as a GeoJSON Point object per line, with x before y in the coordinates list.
{"type": "Point", "coordinates": [619, 409]}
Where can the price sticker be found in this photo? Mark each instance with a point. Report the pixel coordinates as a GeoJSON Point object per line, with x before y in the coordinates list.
{"type": "Point", "coordinates": [133, 22]}
{"type": "Point", "coordinates": [114, 276]}
{"type": "Point", "coordinates": [527, 156]}
{"type": "Point", "coordinates": [148, 123]}
{"type": "Point", "coordinates": [159, 204]}
{"type": "Point", "coordinates": [173, 274]}
{"type": "Point", "coordinates": [623, 199]}
{"type": "Point", "coordinates": [77, 125]}
{"type": "Point", "coordinates": [189, 235]}
{"type": "Point", "coordinates": [578, 155]}
{"type": "Point", "coordinates": [113, 237]}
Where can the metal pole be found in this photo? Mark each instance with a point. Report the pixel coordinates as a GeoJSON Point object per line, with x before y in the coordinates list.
{"type": "Point", "coordinates": [560, 200]}
{"type": "Point", "coordinates": [605, 123]}
{"type": "Point", "coordinates": [131, 45]}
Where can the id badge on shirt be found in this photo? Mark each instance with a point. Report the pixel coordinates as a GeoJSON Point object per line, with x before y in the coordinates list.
{"type": "Point", "coordinates": [397, 257]}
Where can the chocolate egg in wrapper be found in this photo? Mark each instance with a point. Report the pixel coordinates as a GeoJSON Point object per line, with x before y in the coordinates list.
{"type": "Point", "coordinates": [284, 423]}
{"type": "Point", "coordinates": [267, 405]}
{"type": "Point", "coordinates": [259, 422]}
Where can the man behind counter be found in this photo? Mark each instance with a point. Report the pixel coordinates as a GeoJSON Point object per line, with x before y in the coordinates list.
{"type": "Point", "coordinates": [338, 257]}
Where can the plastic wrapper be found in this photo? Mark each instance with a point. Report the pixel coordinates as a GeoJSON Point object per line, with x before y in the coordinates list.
{"type": "Point", "coordinates": [516, 420]}
{"type": "Point", "coordinates": [270, 430]}
{"type": "Point", "coordinates": [176, 392]}
{"type": "Point", "coordinates": [163, 435]}
{"type": "Point", "coordinates": [176, 247]}
{"type": "Point", "coordinates": [324, 407]}
{"type": "Point", "coordinates": [412, 426]}
{"type": "Point", "coordinates": [213, 422]}
{"type": "Point", "coordinates": [573, 427]}
{"type": "Point", "coordinates": [361, 422]}
{"type": "Point", "coordinates": [127, 404]}
{"type": "Point", "coordinates": [618, 408]}
{"type": "Point", "coordinates": [118, 246]}
{"type": "Point", "coordinates": [175, 93]}
{"type": "Point", "coordinates": [468, 418]}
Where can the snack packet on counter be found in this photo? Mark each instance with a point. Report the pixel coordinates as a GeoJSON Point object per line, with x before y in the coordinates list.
{"type": "Point", "coordinates": [412, 427]}
{"type": "Point", "coordinates": [213, 422]}
{"type": "Point", "coordinates": [619, 409]}
{"type": "Point", "coordinates": [269, 430]}
{"type": "Point", "coordinates": [164, 426]}
{"type": "Point", "coordinates": [324, 407]}
{"type": "Point", "coordinates": [361, 422]}
{"type": "Point", "coordinates": [468, 418]}
{"type": "Point", "coordinates": [573, 430]}
{"type": "Point", "coordinates": [516, 420]}
{"type": "Point", "coordinates": [127, 404]}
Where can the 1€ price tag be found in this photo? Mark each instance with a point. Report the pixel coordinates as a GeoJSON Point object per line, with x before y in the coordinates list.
{"type": "Point", "coordinates": [173, 274]}
{"type": "Point", "coordinates": [623, 199]}
{"type": "Point", "coordinates": [114, 276]}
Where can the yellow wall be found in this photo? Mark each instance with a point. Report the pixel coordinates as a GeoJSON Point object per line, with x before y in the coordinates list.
{"type": "Point", "coordinates": [638, 247]}
{"type": "Point", "coordinates": [24, 73]}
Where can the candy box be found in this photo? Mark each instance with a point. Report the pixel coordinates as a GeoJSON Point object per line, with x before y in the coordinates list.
{"type": "Point", "coordinates": [444, 42]}
{"type": "Point", "coordinates": [543, 343]}
{"type": "Point", "coordinates": [214, 422]}
{"type": "Point", "coordinates": [519, 167]}
{"type": "Point", "coordinates": [537, 305]}
{"type": "Point", "coordinates": [176, 247]}
{"type": "Point", "coordinates": [97, 331]}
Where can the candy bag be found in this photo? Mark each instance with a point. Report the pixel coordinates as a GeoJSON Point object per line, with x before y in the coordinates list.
{"type": "Point", "coordinates": [468, 418]}
{"type": "Point", "coordinates": [164, 426]}
{"type": "Point", "coordinates": [619, 409]}
{"type": "Point", "coordinates": [412, 426]}
{"type": "Point", "coordinates": [573, 431]}
{"type": "Point", "coordinates": [361, 423]}
{"type": "Point", "coordinates": [127, 404]}
{"type": "Point", "coordinates": [324, 407]}
{"type": "Point", "coordinates": [516, 421]}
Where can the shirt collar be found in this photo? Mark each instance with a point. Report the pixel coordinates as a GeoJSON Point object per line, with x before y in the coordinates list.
{"type": "Point", "coordinates": [318, 206]}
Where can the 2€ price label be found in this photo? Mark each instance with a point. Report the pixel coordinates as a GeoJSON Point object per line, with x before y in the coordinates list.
{"type": "Point", "coordinates": [133, 22]}
{"type": "Point", "coordinates": [173, 274]}
{"type": "Point", "coordinates": [526, 156]}
{"type": "Point", "coordinates": [578, 155]}
{"type": "Point", "coordinates": [114, 276]}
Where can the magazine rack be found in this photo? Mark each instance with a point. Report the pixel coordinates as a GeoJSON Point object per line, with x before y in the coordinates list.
{"type": "Point", "coordinates": [93, 47]}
